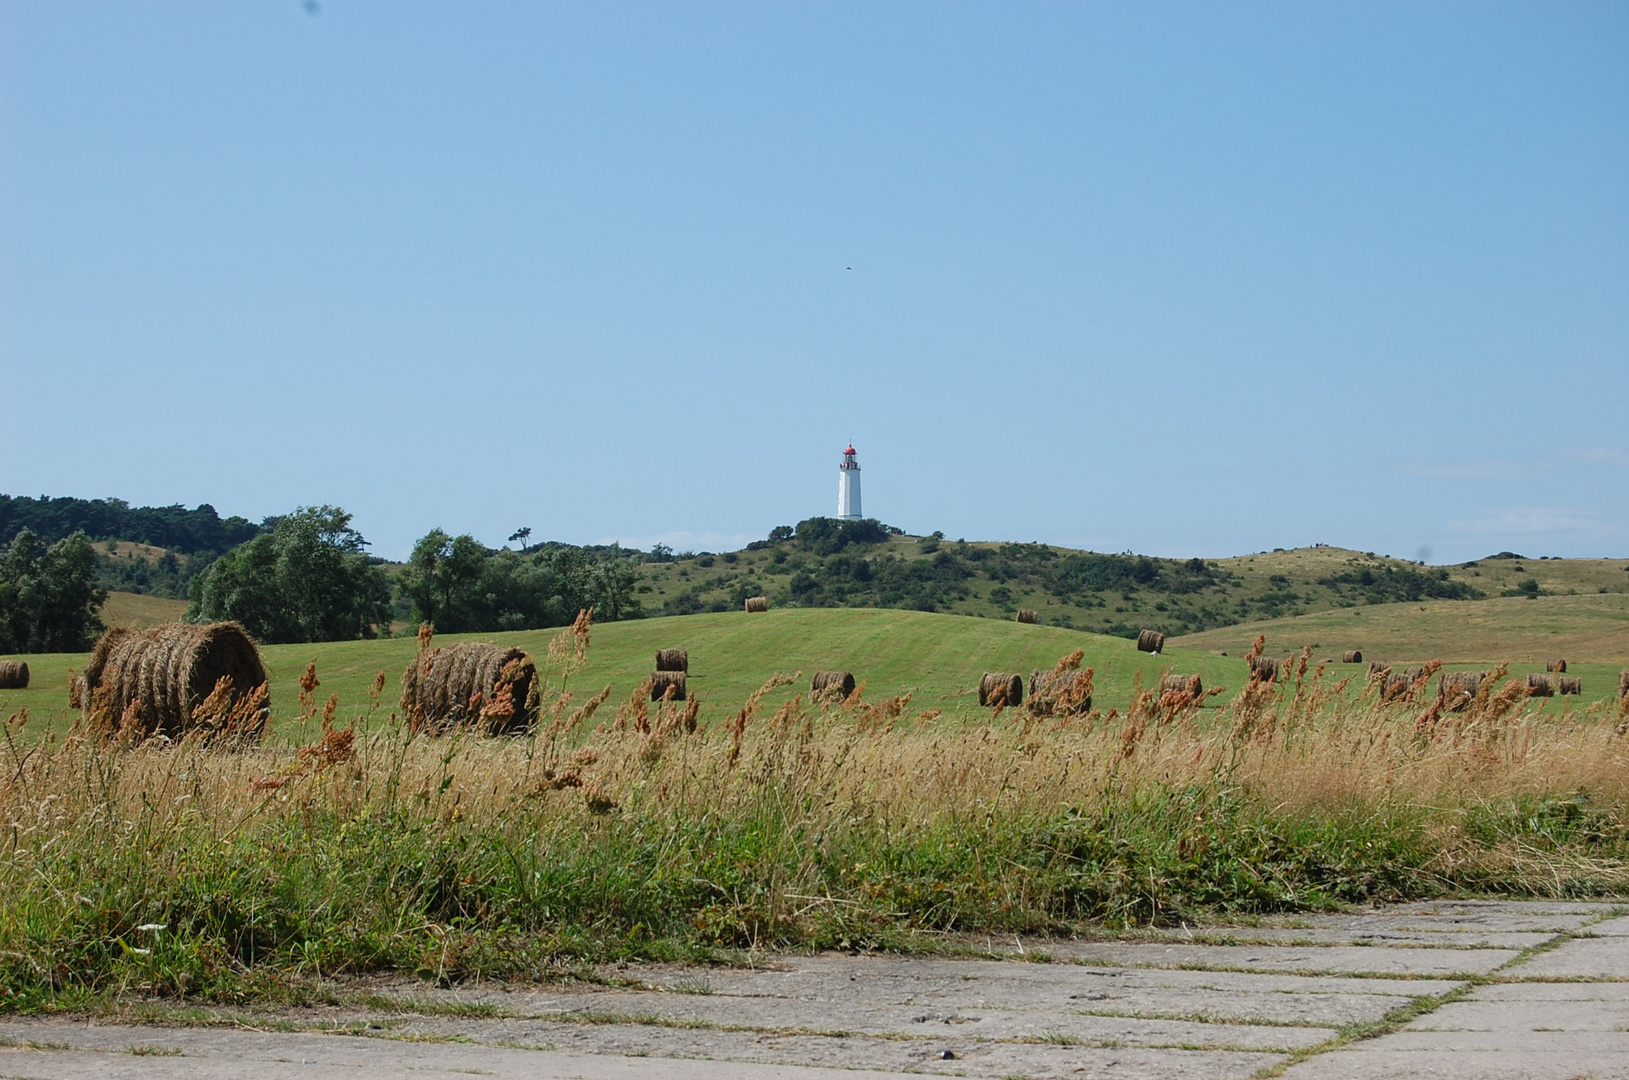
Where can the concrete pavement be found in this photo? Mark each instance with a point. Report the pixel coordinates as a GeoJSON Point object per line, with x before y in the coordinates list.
{"type": "Point", "coordinates": [1452, 989]}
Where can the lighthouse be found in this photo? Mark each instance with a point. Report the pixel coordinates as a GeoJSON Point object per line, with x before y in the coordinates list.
{"type": "Point", "coordinates": [848, 487]}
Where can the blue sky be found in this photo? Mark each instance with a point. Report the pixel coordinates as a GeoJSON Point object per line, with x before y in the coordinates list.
{"type": "Point", "coordinates": [1177, 278]}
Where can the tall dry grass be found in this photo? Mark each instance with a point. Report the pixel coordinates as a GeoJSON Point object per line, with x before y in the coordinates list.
{"type": "Point", "coordinates": [667, 828]}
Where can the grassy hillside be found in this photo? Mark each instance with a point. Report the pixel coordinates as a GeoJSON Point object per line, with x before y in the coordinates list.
{"type": "Point", "coordinates": [1590, 632]}
{"type": "Point", "coordinates": [1113, 594]}
{"type": "Point", "coordinates": [135, 609]}
{"type": "Point", "coordinates": [938, 658]}
{"type": "Point", "coordinates": [1580, 628]}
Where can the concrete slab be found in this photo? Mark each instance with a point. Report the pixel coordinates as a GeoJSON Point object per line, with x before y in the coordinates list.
{"type": "Point", "coordinates": [1565, 1015]}
{"type": "Point", "coordinates": [1618, 927]}
{"type": "Point", "coordinates": [884, 977]}
{"type": "Point", "coordinates": [1454, 921]}
{"type": "Point", "coordinates": [861, 1015]}
{"type": "Point", "coordinates": [1552, 991]}
{"type": "Point", "coordinates": [1459, 937]}
{"type": "Point", "coordinates": [138, 1053]}
{"type": "Point", "coordinates": [1371, 1063]}
{"type": "Point", "coordinates": [1596, 908]}
{"type": "Point", "coordinates": [1437, 963]}
{"type": "Point", "coordinates": [1595, 958]}
{"type": "Point", "coordinates": [616, 1051]}
{"type": "Point", "coordinates": [1469, 1043]}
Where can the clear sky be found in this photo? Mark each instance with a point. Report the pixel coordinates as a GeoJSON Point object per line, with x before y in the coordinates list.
{"type": "Point", "coordinates": [1177, 278]}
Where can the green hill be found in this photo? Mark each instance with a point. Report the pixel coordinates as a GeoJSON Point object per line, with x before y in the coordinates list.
{"type": "Point", "coordinates": [1109, 594]}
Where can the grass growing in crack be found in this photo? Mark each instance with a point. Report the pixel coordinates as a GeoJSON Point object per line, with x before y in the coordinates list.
{"type": "Point", "coordinates": [194, 872]}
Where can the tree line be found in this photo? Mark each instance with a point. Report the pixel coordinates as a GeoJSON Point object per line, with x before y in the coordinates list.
{"type": "Point", "coordinates": [307, 576]}
{"type": "Point", "coordinates": [191, 532]}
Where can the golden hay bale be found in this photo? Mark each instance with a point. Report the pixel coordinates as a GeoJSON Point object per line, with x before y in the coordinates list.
{"type": "Point", "coordinates": [839, 684]}
{"type": "Point", "coordinates": [1557, 666]}
{"type": "Point", "coordinates": [757, 603]}
{"type": "Point", "coordinates": [1188, 686]}
{"type": "Point", "coordinates": [159, 677]}
{"type": "Point", "coordinates": [1001, 688]}
{"type": "Point", "coordinates": [1352, 656]}
{"type": "Point", "coordinates": [472, 683]}
{"type": "Point", "coordinates": [1263, 668]}
{"type": "Point", "coordinates": [1150, 641]}
{"type": "Point", "coordinates": [1539, 685]}
{"type": "Point", "coordinates": [1456, 688]}
{"type": "Point", "coordinates": [1049, 693]}
{"type": "Point", "coordinates": [662, 681]}
{"type": "Point", "coordinates": [13, 675]}
{"type": "Point", "coordinates": [672, 660]}
{"type": "Point", "coordinates": [1028, 615]}
{"type": "Point", "coordinates": [1569, 684]}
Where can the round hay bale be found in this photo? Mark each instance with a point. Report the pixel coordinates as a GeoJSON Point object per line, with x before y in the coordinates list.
{"type": "Point", "coordinates": [1557, 666]}
{"type": "Point", "coordinates": [672, 660]}
{"type": "Point", "coordinates": [1028, 615]}
{"type": "Point", "coordinates": [1456, 688]}
{"type": "Point", "coordinates": [471, 684]}
{"type": "Point", "coordinates": [160, 676]}
{"type": "Point", "coordinates": [1399, 686]}
{"type": "Point", "coordinates": [1264, 669]}
{"type": "Point", "coordinates": [13, 675]}
{"type": "Point", "coordinates": [1352, 656]}
{"type": "Point", "coordinates": [1539, 685]}
{"type": "Point", "coordinates": [1378, 669]}
{"type": "Point", "coordinates": [1001, 688]}
{"type": "Point", "coordinates": [1414, 672]}
{"type": "Point", "coordinates": [1186, 687]}
{"type": "Point", "coordinates": [1150, 641]}
{"type": "Point", "coordinates": [1569, 684]}
{"type": "Point", "coordinates": [838, 684]}
{"type": "Point", "coordinates": [1623, 684]}
{"type": "Point", "coordinates": [662, 681]}
{"type": "Point", "coordinates": [1049, 693]}
{"type": "Point", "coordinates": [757, 603]}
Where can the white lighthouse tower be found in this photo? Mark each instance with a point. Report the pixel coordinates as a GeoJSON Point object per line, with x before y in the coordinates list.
{"type": "Point", "coordinates": [848, 487]}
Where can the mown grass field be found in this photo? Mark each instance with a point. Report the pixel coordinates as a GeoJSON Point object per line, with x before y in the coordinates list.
{"type": "Point", "coordinates": [938, 659]}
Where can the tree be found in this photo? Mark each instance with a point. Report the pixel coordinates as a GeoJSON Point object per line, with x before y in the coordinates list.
{"type": "Point", "coordinates": [613, 591]}
{"type": "Point", "coordinates": [308, 579]}
{"type": "Point", "coordinates": [443, 579]}
{"type": "Point", "coordinates": [48, 595]}
{"type": "Point", "coordinates": [461, 587]}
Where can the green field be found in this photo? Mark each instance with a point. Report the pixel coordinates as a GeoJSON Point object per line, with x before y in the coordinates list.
{"type": "Point", "coordinates": [936, 658]}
